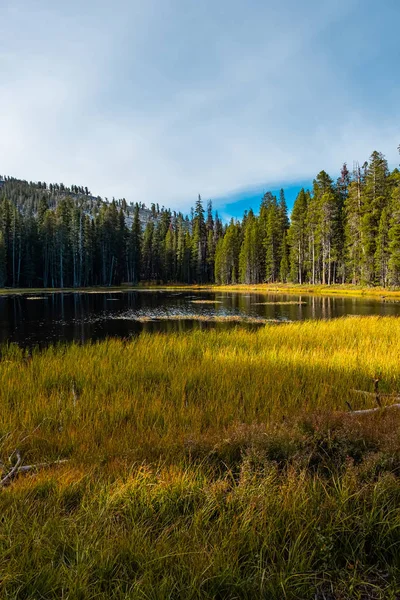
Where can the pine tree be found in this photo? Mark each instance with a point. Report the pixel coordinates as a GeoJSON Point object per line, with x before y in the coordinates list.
{"type": "Point", "coordinates": [374, 200]}
{"type": "Point", "coordinates": [297, 237]}
{"type": "Point", "coordinates": [284, 265]}
{"type": "Point", "coordinates": [3, 261]}
{"type": "Point", "coordinates": [210, 244]}
{"type": "Point", "coordinates": [227, 256]}
{"type": "Point", "coordinates": [251, 255]}
{"type": "Point", "coordinates": [272, 241]}
{"type": "Point", "coordinates": [321, 218]}
{"type": "Point", "coordinates": [352, 229]}
{"type": "Point", "coordinates": [382, 249]}
{"type": "Point", "coordinates": [199, 242]}
{"type": "Point", "coordinates": [136, 246]}
{"type": "Point", "coordinates": [394, 238]}
{"type": "Point", "coordinates": [147, 251]}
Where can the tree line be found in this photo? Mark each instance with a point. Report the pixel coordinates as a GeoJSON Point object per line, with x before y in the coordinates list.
{"type": "Point", "coordinates": [340, 231]}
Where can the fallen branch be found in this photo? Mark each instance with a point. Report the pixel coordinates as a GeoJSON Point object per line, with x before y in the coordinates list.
{"type": "Point", "coordinates": [12, 472]}
{"type": "Point", "coordinates": [373, 410]}
{"type": "Point", "coordinates": [17, 468]}
{"type": "Point", "coordinates": [26, 468]}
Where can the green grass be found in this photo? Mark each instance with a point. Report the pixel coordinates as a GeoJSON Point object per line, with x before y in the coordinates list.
{"type": "Point", "coordinates": [219, 464]}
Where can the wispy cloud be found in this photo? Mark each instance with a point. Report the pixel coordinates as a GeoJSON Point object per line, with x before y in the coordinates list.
{"type": "Point", "coordinates": [156, 101]}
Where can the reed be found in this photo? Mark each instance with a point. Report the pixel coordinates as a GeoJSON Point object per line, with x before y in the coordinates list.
{"type": "Point", "coordinates": [218, 464]}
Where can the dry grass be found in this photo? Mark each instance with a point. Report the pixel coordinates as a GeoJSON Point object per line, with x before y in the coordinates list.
{"type": "Point", "coordinates": [219, 464]}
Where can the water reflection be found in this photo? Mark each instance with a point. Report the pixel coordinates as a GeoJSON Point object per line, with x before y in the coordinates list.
{"type": "Point", "coordinates": [49, 318]}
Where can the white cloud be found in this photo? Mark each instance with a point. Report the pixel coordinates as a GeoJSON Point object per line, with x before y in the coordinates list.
{"type": "Point", "coordinates": [158, 101]}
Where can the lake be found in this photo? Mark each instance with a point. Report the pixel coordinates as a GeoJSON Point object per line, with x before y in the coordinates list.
{"type": "Point", "coordinates": [41, 319]}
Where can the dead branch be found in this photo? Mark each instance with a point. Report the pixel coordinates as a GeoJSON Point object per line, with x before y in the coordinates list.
{"type": "Point", "coordinates": [17, 468]}
{"type": "Point", "coordinates": [374, 410]}
{"type": "Point", "coordinates": [12, 472]}
{"type": "Point", "coordinates": [26, 468]}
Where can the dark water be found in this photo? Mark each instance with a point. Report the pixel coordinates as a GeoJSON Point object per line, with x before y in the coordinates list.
{"type": "Point", "coordinates": [42, 319]}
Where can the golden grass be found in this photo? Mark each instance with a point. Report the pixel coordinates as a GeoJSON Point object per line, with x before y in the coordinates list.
{"type": "Point", "coordinates": [304, 289]}
{"type": "Point", "coordinates": [168, 386]}
{"type": "Point", "coordinates": [205, 318]}
{"type": "Point", "coordinates": [205, 302]}
{"type": "Point", "coordinates": [277, 303]}
{"type": "Point", "coordinates": [218, 464]}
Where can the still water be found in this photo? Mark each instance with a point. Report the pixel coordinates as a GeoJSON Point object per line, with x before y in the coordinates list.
{"type": "Point", "coordinates": [30, 319]}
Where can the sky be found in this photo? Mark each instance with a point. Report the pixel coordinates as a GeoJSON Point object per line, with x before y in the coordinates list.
{"type": "Point", "coordinates": [162, 100]}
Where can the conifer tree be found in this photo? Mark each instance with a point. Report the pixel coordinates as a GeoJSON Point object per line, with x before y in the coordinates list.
{"type": "Point", "coordinates": [136, 245]}
{"type": "Point", "coordinates": [374, 200]}
{"type": "Point", "coordinates": [199, 242]}
{"type": "Point", "coordinates": [352, 229]}
{"type": "Point", "coordinates": [382, 253]}
{"type": "Point", "coordinates": [394, 238]}
{"type": "Point", "coordinates": [273, 241]}
{"type": "Point", "coordinates": [298, 238]}
{"type": "Point", "coordinates": [284, 265]}
{"type": "Point", "coordinates": [251, 256]}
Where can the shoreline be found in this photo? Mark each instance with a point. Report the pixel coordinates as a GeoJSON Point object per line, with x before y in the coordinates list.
{"type": "Point", "coordinates": [338, 290]}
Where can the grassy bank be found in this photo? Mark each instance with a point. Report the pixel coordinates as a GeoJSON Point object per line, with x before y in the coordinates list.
{"type": "Point", "coordinates": [326, 290]}
{"type": "Point", "coordinates": [204, 465]}
{"type": "Point", "coordinates": [379, 293]}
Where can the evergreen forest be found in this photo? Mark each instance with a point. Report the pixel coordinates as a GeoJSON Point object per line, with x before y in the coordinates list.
{"type": "Point", "coordinates": [343, 231]}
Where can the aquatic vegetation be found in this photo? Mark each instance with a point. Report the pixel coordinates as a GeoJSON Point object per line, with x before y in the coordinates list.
{"type": "Point", "coordinates": [216, 318]}
{"type": "Point", "coordinates": [206, 302]}
{"type": "Point", "coordinates": [204, 465]}
{"type": "Point", "coordinates": [277, 303]}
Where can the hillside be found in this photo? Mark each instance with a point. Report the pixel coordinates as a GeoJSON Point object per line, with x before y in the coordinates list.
{"type": "Point", "coordinates": [27, 195]}
{"type": "Point", "coordinates": [340, 231]}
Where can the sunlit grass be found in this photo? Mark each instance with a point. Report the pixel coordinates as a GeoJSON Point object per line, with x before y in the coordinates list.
{"type": "Point", "coordinates": [204, 318]}
{"type": "Point", "coordinates": [205, 302]}
{"type": "Point", "coordinates": [277, 303]}
{"type": "Point", "coordinates": [218, 464]}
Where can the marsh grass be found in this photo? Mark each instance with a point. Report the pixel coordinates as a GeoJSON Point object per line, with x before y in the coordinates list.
{"type": "Point", "coordinates": [277, 303]}
{"type": "Point", "coordinates": [204, 318]}
{"type": "Point", "coordinates": [206, 301]}
{"type": "Point", "coordinates": [218, 464]}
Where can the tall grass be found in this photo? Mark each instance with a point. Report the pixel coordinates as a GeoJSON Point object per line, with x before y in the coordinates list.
{"type": "Point", "coordinates": [219, 464]}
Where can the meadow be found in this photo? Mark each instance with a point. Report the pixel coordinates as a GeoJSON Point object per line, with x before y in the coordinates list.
{"type": "Point", "coordinates": [219, 464]}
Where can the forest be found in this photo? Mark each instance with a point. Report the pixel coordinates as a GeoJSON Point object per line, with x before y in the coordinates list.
{"type": "Point", "coordinates": [343, 231]}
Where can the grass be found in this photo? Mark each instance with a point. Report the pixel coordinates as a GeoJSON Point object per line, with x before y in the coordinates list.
{"type": "Point", "coordinates": [205, 318]}
{"type": "Point", "coordinates": [218, 464]}
{"type": "Point", "coordinates": [309, 289]}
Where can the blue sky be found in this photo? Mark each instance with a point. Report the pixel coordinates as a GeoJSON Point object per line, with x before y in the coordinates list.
{"type": "Point", "coordinates": [233, 205]}
{"type": "Point", "coordinates": [159, 100]}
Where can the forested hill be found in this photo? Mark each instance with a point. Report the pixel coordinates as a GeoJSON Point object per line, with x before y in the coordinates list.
{"type": "Point", "coordinates": [346, 230]}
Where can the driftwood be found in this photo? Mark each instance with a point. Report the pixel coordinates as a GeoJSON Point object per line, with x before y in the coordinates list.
{"type": "Point", "coordinates": [378, 396]}
{"type": "Point", "coordinates": [18, 468]}
{"type": "Point", "coordinates": [12, 473]}
{"type": "Point", "coordinates": [26, 468]}
{"type": "Point", "coordinates": [381, 409]}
